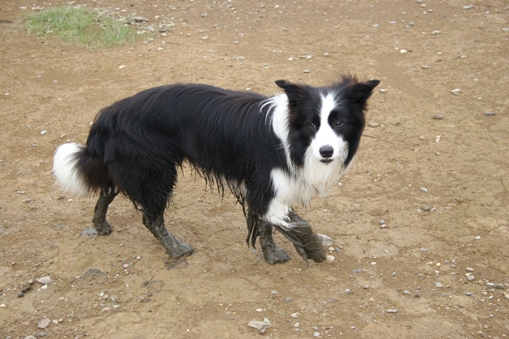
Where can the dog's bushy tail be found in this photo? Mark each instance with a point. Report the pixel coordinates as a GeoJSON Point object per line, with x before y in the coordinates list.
{"type": "Point", "coordinates": [77, 170]}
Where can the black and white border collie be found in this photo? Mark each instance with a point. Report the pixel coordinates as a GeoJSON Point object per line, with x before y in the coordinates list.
{"type": "Point", "coordinates": [271, 152]}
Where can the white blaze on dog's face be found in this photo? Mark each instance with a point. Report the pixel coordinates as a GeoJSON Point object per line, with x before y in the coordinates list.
{"type": "Point", "coordinates": [326, 144]}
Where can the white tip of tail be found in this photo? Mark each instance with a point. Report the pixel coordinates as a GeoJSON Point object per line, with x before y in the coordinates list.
{"type": "Point", "coordinates": [66, 171]}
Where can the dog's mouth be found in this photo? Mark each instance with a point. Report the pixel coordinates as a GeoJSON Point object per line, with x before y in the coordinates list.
{"type": "Point", "coordinates": [326, 161]}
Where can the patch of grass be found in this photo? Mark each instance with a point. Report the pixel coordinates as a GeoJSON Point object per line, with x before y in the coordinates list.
{"type": "Point", "coordinates": [79, 25]}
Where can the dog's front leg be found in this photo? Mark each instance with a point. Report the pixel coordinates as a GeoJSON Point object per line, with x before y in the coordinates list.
{"type": "Point", "coordinates": [307, 243]}
{"type": "Point", "coordinates": [259, 228]}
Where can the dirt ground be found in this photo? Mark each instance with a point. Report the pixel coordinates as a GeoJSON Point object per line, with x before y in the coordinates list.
{"type": "Point", "coordinates": [420, 221]}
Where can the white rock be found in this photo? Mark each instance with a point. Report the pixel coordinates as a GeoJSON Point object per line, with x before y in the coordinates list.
{"type": "Point", "coordinates": [44, 280]}
{"type": "Point", "coordinates": [325, 239]}
{"type": "Point", "coordinates": [261, 326]}
{"type": "Point", "coordinates": [43, 323]}
{"type": "Point", "coordinates": [330, 259]}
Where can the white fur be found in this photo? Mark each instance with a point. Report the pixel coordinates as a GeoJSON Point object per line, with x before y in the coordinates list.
{"type": "Point", "coordinates": [298, 186]}
{"type": "Point", "coordinates": [325, 135]}
{"type": "Point", "coordinates": [65, 170]}
{"type": "Point", "coordinates": [278, 118]}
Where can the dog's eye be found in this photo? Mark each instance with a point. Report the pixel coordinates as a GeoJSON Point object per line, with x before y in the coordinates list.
{"type": "Point", "coordinates": [312, 125]}
{"type": "Point", "coordinates": [338, 123]}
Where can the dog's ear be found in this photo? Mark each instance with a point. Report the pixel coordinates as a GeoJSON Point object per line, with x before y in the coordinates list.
{"type": "Point", "coordinates": [293, 92]}
{"type": "Point", "coordinates": [359, 92]}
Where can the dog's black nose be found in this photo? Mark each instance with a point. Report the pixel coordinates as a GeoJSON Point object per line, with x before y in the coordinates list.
{"type": "Point", "coordinates": [326, 151]}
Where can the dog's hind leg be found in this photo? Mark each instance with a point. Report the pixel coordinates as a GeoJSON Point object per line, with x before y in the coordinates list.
{"type": "Point", "coordinates": [173, 246]}
{"type": "Point", "coordinates": [258, 227]}
{"type": "Point", "coordinates": [107, 195]}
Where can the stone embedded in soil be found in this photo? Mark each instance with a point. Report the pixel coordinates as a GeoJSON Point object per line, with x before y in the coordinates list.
{"type": "Point", "coordinates": [140, 19]}
{"type": "Point", "coordinates": [373, 124]}
{"type": "Point", "coordinates": [438, 117]}
{"type": "Point", "coordinates": [261, 326]}
{"type": "Point", "coordinates": [44, 280]}
{"type": "Point", "coordinates": [43, 323]}
{"type": "Point", "coordinates": [392, 310]}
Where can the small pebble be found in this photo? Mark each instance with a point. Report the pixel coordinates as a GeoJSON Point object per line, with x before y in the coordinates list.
{"type": "Point", "coordinates": [469, 269]}
{"type": "Point", "coordinates": [43, 323]}
{"type": "Point", "coordinates": [438, 285]}
{"type": "Point", "coordinates": [383, 90]}
{"type": "Point", "coordinates": [456, 91]}
{"type": "Point", "coordinates": [348, 291]}
{"type": "Point", "coordinates": [373, 124]}
{"type": "Point", "coordinates": [438, 117]}
{"type": "Point", "coordinates": [261, 326]}
{"type": "Point", "coordinates": [330, 259]}
{"type": "Point", "coordinates": [44, 280]}
{"type": "Point", "coordinates": [140, 19]}
{"type": "Point", "coordinates": [403, 51]}
{"type": "Point", "coordinates": [392, 310]}
{"type": "Point", "coordinates": [406, 292]}
{"type": "Point", "coordinates": [325, 240]}
{"type": "Point", "coordinates": [489, 113]}
{"type": "Point", "coordinates": [44, 132]}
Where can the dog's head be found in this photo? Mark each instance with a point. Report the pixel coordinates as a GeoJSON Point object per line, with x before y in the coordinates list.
{"type": "Point", "coordinates": [327, 120]}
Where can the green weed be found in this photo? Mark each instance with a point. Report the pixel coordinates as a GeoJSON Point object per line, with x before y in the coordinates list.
{"type": "Point", "coordinates": [79, 25]}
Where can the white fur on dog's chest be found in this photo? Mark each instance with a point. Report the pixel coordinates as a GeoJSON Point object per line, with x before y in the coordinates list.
{"type": "Point", "coordinates": [299, 188]}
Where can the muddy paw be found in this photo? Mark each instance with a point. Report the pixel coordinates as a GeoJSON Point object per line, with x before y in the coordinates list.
{"type": "Point", "coordinates": [314, 250]}
{"type": "Point", "coordinates": [103, 228]}
{"type": "Point", "coordinates": [275, 255]}
{"type": "Point", "coordinates": [181, 249]}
